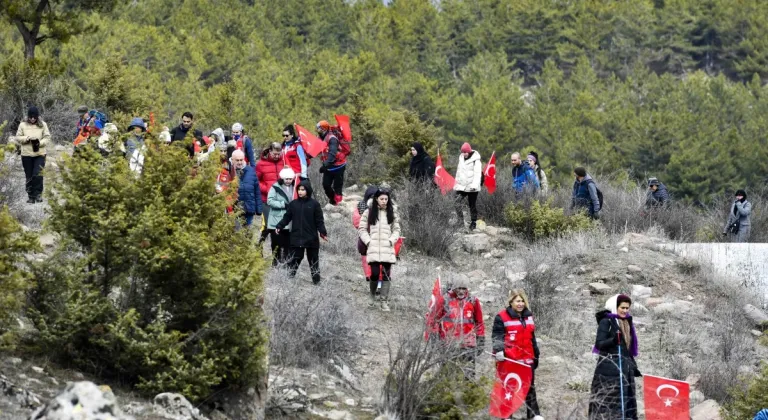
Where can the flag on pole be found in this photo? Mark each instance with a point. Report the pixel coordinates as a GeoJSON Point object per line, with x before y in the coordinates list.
{"type": "Point", "coordinates": [435, 301]}
{"type": "Point", "coordinates": [443, 179]}
{"type": "Point", "coordinates": [513, 379]}
{"type": "Point", "coordinates": [490, 174]}
{"type": "Point", "coordinates": [666, 399]}
{"type": "Point", "coordinates": [311, 144]}
{"type": "Point", "coordinates": [344, 127]}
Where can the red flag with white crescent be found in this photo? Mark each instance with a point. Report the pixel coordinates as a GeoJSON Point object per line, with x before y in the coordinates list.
{"type": "Point", "coordinates": [344, 127]}
{"type": "Point", "coordinates": [312, 145]}
{"type": "Point", "coordinates": [513, 379]}
{"type": "Point", "coordinates": [435, 301]}
{"type": "Point", "coordinates": [490, 174]}
{"type": "Point", "coordinates": [666, 399]}
{"type": "Point", "coordinates": [443, 179]}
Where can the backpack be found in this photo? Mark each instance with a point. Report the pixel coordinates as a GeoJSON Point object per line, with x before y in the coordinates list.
{"type": "Point", "coordinates": [345, 146]}
{"type": "Point", "coordinates": [98, 119]}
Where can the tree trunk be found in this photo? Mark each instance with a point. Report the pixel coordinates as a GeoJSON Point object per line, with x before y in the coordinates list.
{"type": "Point", "coordinates": [29, 48]}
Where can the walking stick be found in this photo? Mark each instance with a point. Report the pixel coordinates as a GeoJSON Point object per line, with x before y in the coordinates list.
{"type": "Point", "coordinates": [621, 379]}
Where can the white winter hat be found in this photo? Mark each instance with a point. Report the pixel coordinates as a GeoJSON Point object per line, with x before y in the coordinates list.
{"type": "Point", "coordinates": [287, 173]}
{"type": "Point", "coordinates": [237, 127]}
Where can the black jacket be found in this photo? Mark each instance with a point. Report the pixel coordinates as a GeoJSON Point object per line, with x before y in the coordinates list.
{"type": "Point", "coordinates": [179, 134]}
{"type": "Point", "coordinates": [422, 167]}
{"type": "Point", "coordinates": [307, 218]}
{"type": "Point", "coordinates": [607, 343]}
{"type": "Point", "coordinates": [498, 332]}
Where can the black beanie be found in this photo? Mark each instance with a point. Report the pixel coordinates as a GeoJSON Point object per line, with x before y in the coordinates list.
{"type": "Point", "coordinates": [33, 112]}
{"type": "Point", "coordinates": [741, 193]}
{"type": "Point", "coordinates": [580, 171]}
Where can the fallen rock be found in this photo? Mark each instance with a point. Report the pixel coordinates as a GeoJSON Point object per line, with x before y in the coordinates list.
{"type": "Point", "coordinates": [515, 277]}
{"type": "Point", "coordinates": [756, 333]}
{"type": "Point", "coordinates": [81, 400]}
{"type": "Point", "coordinates": [653, 302]}
{"type": "Point", "coordinates": [624, 249]}
{"type": "Point", "coordinates": [37, 369]}
{"type": "Point", "coordinates": [639, 309]}
{"type": "Point", "coordinates": [641, 292]}
{"type": "Point", "coordinates": [14, 361]}
{"type": "Point", "coordinates": [477, 243]}
{"type": "Point", "coordinates": [676, 285]}
{"type": "Point", "coordinates": [757, 317]}
{"type": "Point", "coordinates": [477, 276]}
{"type": "Point", "coordinates": [47, 240]}
{"type": "Point", "coordinates": [331, 404]}
{"type": "Point", "coordinates": [339, 415]}
{"type": "Point", "coordinates": [708, 410]}
{"type": "Point", "coordinates": [676, 307]}
{"type": "Point", "coordinates": [634, 269]}
{"type": "Point", "coordinates": [350, 402]}
{"type": "Point", "coordinates": [175, 407]}
{"type": "Point", "coordinates": [696, 397]}
{"type": "Point", "coordinates": [693, 379]}
{"type": "Point", "coordinates": [492, 230]}
{"type": "Point", "coordinates": [599, 288]}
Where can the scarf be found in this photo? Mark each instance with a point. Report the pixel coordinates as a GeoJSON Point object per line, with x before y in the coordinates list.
{"type": "Point", "coordinates": [626, 331]}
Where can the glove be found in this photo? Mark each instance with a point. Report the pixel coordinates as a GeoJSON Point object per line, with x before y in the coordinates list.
{"type": "Point", "coordinates": [500, 356]}
{"type": "Point", "coordinates": [323, 169]}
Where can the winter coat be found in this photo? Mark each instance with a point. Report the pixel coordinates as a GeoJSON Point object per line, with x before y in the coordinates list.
{"type": "Point", "coordinates": [278, 201]}
{"type": "Point", "coordinates": [585, 195]}
{"type": "Point", "coordinates": [658, 198]}
{"type": "Point", "coordinates": [740, 212]}
{"type": "Point", "coordinates": [132, 143]}
{"type": "Point", "coordinates": [178, 133]}
{"type": "Point", "coordinates": [295, 158]}
{"type": "Point", "coordinates": [248, 193]}
{"type": "Point", "coordinates": [28, 131]}
{"type": "Point", "coordinates": [268, 172]}
{"type": "Point", "coordinates": [461, 319]}
{"type": "Point", "coordinates": [542, 177]}
{"type": "Point", "coordinates": [381, 237]}
{"type": "Point", "coordinates": [422, 167]}
{"type": "Point", "coordinates": [306, 215]}
{"type": "Point", "coordinates": [468, 173]}
{"type": "Point", "coordinates": [514, 333]}
{"type": "Point", "coordinates": [524, 178]}
{"type": "Point", "coordinates": [332, 157]}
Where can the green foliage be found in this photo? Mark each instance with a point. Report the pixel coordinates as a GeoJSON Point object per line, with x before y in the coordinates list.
{"type": "Point", "coordinates": [15, 278]}
{"type": "Point", "coordinates": [747, 401]}
{"type": "Point", "coordinates": [455, 397]}
{"type": "Point", "coordinates": [535, 220]}
{"type": "Point", "coordinates": [151, 283]}
{"type": "Point", "coordinates": [399, 131]}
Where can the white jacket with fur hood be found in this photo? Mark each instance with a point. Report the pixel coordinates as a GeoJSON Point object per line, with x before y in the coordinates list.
{"type": "Point", "coordinates": [468, 173]}
{"type": "Point", "coordinates": [381, 237]}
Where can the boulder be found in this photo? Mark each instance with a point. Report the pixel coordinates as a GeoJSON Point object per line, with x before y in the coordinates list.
{"type": "Point", "coordinates": [599, 288]}
{"type": "Point", "coordinates": [477, 243]}
{"type": "Point", "coordinates": [639, 309]}
{"type": "Point", "coordinates": [634, 269]}
{"type": "Point", "coordinates": [641, 292]}
{"type": "Point", "coordinates": [653, 302]}
{"type": "Point", "coordinates": [515, 276]}
{"type": "Point", "coordinates": [676, 285]}
{"type": "Point", "coordinates": [175, 407]}
{"type": "Point", "coordinates": [338, 415]}
{"type": "Point", "coordinates": [757, 317]}
{"type": "Point", "coordinates": [708, 410]}
{"type": "Point", "coordinates": [477, 276]}
{"type": "Point", "coordinates": [81, 400]}
{"type": "Point", "coordinates": [47, 240]}
{"type": "Point", "coordinates": [696, 398]}
{"type": "Point", "coordinates": [676, 307]}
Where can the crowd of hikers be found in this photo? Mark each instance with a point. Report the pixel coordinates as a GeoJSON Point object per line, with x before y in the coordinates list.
{"type": "Point", "coordinates": [273, 186]}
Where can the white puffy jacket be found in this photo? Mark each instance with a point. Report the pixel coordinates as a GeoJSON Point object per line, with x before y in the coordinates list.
{"type": "Point", "coordinates": [468, 173]}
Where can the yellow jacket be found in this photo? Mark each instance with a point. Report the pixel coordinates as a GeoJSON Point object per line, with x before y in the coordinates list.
{"type": "Point", "coordinates": [29, 131]}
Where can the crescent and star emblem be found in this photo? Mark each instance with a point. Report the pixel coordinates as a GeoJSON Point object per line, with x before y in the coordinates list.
{"type": "Point", "coordinates": [667, 402]}
{"type": "Point", "coordinates": [488, 168]}
{"type": "Point", "coordinates": [516, 377]}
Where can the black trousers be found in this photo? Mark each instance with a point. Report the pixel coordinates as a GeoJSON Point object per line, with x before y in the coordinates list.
{"type": "Point", "coordinates": [531, 404]}
{"type": "Point", "coordinates": [333, 183]}
{"type": "Point", "coordinates": [33, 171]}
{"type": "Point", "coordinates": [379, 271]}
{"type": "Point", "coordinates": [472, 198]}
{"type": "Point", "coordinates": [265, 231]}
{"type": "Point", "coordinates": [313, 256]}
{"type": "Point", "coordinates": [280, 245]}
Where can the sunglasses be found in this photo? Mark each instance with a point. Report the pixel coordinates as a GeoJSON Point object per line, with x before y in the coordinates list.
{"type": "Point", "coordinates": [286, 135]}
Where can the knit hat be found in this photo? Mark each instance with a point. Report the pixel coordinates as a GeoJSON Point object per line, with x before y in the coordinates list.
{"type": "Point", "coordinates": [323, 126]}
{"type": "Point", "coordinates": [33, 112]}
{"type": "Point", "coordinates": [533, 155]}
{"type": "Point", "coordinates": [466, 148]}
{"type": "Point", "coordinates": [741, 193]}
{"type": "Point", "coordinates": [580, 171]}
{"type": "Point", "coordinates": [137, 122]}
{"type": "Point", "coordinates": [82, 109]}
{"type": "Point", "coordinates": [237, 127]}
{"type": "Point", "coordinates": [287, 173]}
{"type": "Point", "coordinates": [653, 181]}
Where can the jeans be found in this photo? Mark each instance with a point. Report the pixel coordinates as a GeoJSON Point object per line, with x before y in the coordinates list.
{"type": "Point", "coordinates": [33, 171]}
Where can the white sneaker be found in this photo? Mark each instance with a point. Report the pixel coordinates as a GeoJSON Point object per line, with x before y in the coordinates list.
{"type": "Point", "coordinates": [538, 418]}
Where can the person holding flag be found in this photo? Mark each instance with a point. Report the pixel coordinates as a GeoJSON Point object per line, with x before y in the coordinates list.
{"type": "Point", "coordinates": [293, 152]}
{"type": "Point", "coordinates": [514, 338]}
{"type": "Point", "coordinates": [461, 319]}
{"type": "Point", "coordinates": [613, 385]}
{"type": "Point", "coordinates": [468, 175]}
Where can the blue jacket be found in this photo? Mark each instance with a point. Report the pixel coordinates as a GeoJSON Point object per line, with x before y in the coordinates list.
{"type": "Point", "coordinates": [523, 177]}
{"type": "Point", "coordinates": [248, 192]}
{"type": "Point", "coordinates": [585, 195]}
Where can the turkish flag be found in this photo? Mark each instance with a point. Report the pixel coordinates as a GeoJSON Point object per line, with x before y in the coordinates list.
{"type": "Point", "coordinates": [398, 245]}
{"type": "Point", "coordinates": [666, 399]}
{"type": "Point", "coordinates": [296, 182]}
{"type": "Point", "coordinates": [513, 379]}
{"type": "Point", "coordinates": [443, 179]}
{"type": "Point", "coordinates": [346, 130]}
{"type": "Point", "coordinates": [435, 301]}
{"type": "Point", "coordinates": [490, 174]}
{"type": "Point", "coordinates": [311, 144]}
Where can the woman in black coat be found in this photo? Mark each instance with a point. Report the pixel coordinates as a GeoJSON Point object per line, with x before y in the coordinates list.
{"type": "Point", "coordinates": [422, 168]}
{"type": "Point", "coordinates": [307, 217]}
{"type": "Point", "coordinates": [616, 344]}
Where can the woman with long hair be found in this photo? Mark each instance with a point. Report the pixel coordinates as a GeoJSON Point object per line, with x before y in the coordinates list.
{"type": "Point", "coordinates": [533, 162]}
{"type": "Point", "coordinates": [379, 231]}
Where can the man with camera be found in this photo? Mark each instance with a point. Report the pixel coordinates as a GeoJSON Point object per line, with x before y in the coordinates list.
{"type": "Point", "coordinates": [33, 135]}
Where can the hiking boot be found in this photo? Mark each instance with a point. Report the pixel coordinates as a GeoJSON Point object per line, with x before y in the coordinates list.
{"type": "Point", "coordinates": [385, 296]}
{"type": "Point", "coordinates": [338, 199]}
{"type": "Point", "coordinates": [31, 200]}
{"type": "Point", "coordinates": [316, 279]}
{"type": "Point", "coordinates": [472, 226]}
{"type": "Point", "coordinates": [39, 200]}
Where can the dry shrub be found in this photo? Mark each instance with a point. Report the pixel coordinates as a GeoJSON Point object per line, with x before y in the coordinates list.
{"type": "Point", "coordinates": [426, 217]}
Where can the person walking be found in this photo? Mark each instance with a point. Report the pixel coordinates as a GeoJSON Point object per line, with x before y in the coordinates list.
{"type": "Point", "coordinates": [179, 133]}
{"type": "Point", "coordinates": [422, 169]}
{"type": "Point", "coordinates": [33, 137]}
{"type": "Point", "coordinates": [523, 177]}
{"type": "Point", "coordinates": [612, 394]}
{"type": "Point", "coordinates": [533, 163]}
{"type": "Point", "coordinates": [334, 163]}
{"type": "Point", "coordinates": [379, 230]}
{"type": "Point", "coordinates": [362, 206]}
{"type": "Point", "coordinates": [585, 195]}
{"type": "Point", "coordinates": [293, 152]}
{"type": "Point", "coordinates": [738, 224]}
{"type": "Point", "coordinates": [244, 143]}
{"type": "Point", "coordinates": [134, 144]}
{"type": "Point", "coordinates": [468, 175]}
{"type": "Point", "coordinates": [657, 195]}
{"type": "Point", "coordinates": [305, 216]}
{"type": "Point", "coordinates": [278, 198]}
{"type": "Point", "coordinates": [514, 338]}
{"type": "Point", "coordinates": [461, 321]}
{"type": "Point", "coordinates": [248, 192]}
{"type": "Point", "coordinates": [268, 172]}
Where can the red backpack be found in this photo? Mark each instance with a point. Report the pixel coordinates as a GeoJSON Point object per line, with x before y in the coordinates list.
{"type": "Point", "coordinates": [343, 132]}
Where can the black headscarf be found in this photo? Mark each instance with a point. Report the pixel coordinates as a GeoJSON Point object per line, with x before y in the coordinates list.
{"type": "Point", "coordinates": [422, 166]}
{"type": "Point", "coordinates": [362, 206]}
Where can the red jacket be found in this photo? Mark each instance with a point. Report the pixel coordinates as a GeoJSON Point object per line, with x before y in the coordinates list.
{"type": "Point", "coordinates": [333, 154]}
{"type": "Point", "coordinates": [268, 172]}
{"type": "Point", "coordinates": [461, 319]}
{"type": "Point", "coordinates": [518, 336]}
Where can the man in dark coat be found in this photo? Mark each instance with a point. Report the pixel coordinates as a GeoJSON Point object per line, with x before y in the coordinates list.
{"type": "Point", "coordinates": [657, 195]}
{"type": "Point", "coordinates": [422, 167]}
{"type": "Point", "coordinates": [248, 192]}
{"type": "Point", "coordinates": [179, 133]}
{"type": "Point", "coordinates": [306, 217]}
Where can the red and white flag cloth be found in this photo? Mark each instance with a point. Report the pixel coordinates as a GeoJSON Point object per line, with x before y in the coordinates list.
{"type": "Point", "coordinates": [435, 301]}
{"type": "Point", "coordinates": [344, 127]}
{"type": "Point", "coordinates": [443, 179]}
{"type": "Point", "coordinates": [312, 145]}
{"type": "Point", "coordinates": [666, 399]}
{"type": "Point", "coordinates": [513, 379]}
{"type": "Point", "coordinates": [490, 174]}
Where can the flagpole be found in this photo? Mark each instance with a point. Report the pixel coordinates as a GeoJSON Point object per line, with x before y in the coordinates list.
{"type": "Point", "coordinates": [621, 379]}
{"type": "Point", "coordinates": [509, 360]}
